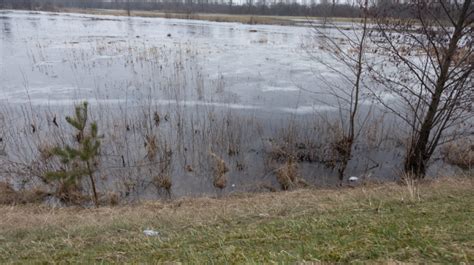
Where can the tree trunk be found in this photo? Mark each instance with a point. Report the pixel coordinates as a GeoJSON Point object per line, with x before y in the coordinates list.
{"type": "Point", "coordinates": [349, 140]}
{"type": "Point", "coordinates": [96, 199]}
{"type": "Point", "coordinates": [418, 154]}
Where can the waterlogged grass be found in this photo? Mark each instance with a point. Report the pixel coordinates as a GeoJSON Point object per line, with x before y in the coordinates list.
{"type": "Point", "coordinates": [245, 19]}
{"type": "Point", "coordinates": [377, 223]}
{"type": "Point", "coordinates": [218, 17]}
{"type": "Point", "coordinates": [215, 17]}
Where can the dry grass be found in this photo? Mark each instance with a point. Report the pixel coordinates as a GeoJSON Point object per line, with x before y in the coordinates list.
{"type": "Point", "coordinates": [368, 223]}
{"type": "Point", "coordinates": [288, 174]}
{"type": "Point", "coordinates": [412, 184]}
{"type": "Point", "coordinates": [220, 170]}
{"type": "Point", "coordinates": [245, 19]}
{"type": "Point", "coordinates": [163, 182]}
{"type": "Point", "coordinates": [151, 145]}
{"type": "Point", "coordinates": [459, 153]}
{"type": "Point", "coordinates": [8, 195]}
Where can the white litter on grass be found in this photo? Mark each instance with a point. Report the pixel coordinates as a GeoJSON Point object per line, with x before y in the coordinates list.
{"type": "Point", "coordinates": [353, 179]}
{"type": "Point", "coordinates": [149, 232]}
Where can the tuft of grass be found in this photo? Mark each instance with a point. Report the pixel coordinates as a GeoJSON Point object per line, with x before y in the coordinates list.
{"type": "Point", "coordinates": [220, 170]}
{"type": "Point", "coordinates": [459, 153]}
{"type": "Point", "coordinates": [163, 182]}
{"type": "Point", "coordinates": [365, 224]}
{"type": "Point", "coordinates": [412, 184]}
{"type": "Point", "coordinates": [288, 174]}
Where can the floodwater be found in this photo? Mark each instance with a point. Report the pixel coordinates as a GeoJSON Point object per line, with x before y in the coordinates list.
{"type": "Point", "coordinates": [49, 58]}
{"type": "Point", "coordinates": [226, 88]}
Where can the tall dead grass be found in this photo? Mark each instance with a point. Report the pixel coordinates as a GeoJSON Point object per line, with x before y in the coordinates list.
{"type": "Point", "coordinates": [159, 136]}
{"type": "Point", "coordinates": [220, 170]}
{"type": "Point", "coordinates": [459, 153]}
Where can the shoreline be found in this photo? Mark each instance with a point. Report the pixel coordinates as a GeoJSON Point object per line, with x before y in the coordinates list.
{"type": "Point", "coordinates": [297, 21]}
{"type": "Point", "coordinates": [427, 223]}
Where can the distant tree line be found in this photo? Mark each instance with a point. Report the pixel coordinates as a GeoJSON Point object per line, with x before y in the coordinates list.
{"type": "Point", "coordinates": [320, 8]}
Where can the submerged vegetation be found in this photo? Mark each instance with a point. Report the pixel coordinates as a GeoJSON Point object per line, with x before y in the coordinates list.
{"type": "Point", "coordinates": [170, 128]}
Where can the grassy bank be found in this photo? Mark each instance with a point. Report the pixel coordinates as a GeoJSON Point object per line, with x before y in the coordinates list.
{"type": "Point", "coordinates": [373, 223]}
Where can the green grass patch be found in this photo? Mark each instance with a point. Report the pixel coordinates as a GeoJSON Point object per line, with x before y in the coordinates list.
{"type": "Point", "coordinates": [378, 224]}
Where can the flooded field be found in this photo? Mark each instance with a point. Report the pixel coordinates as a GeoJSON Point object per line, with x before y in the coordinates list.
{"type": "Point", "coordinates": [58, 58]}
{"type": "Point", "coordinates": [175, 99]}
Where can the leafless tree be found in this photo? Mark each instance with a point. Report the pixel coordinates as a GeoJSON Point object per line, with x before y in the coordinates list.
{"type": "Point", "coordinates": [429, 70]}
{"type": "Point", "coordinates": [344, 54]}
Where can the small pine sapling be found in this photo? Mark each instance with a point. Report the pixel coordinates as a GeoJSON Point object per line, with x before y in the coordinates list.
{"type": "Point", "coordinates": [79, 160]}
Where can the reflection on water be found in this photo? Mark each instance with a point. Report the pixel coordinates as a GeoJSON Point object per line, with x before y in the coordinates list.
{"type": "Point", "coordinates": [6, 27]}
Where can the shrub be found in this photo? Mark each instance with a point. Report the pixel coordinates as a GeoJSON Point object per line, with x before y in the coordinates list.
{"type": "Point", "coordinates": [459, 153]}
{"type": "Point", "coordinates": [78, 161]}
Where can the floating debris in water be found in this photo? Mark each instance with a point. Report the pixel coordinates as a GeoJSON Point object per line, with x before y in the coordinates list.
{"type": "Point", "coordinates": [353, 179]}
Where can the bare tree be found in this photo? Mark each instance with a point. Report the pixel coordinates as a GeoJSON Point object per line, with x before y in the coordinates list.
{"type": "Point", "coordinates": [429, 70]}
{"type": "Point", "coordinates": [348, 60]}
